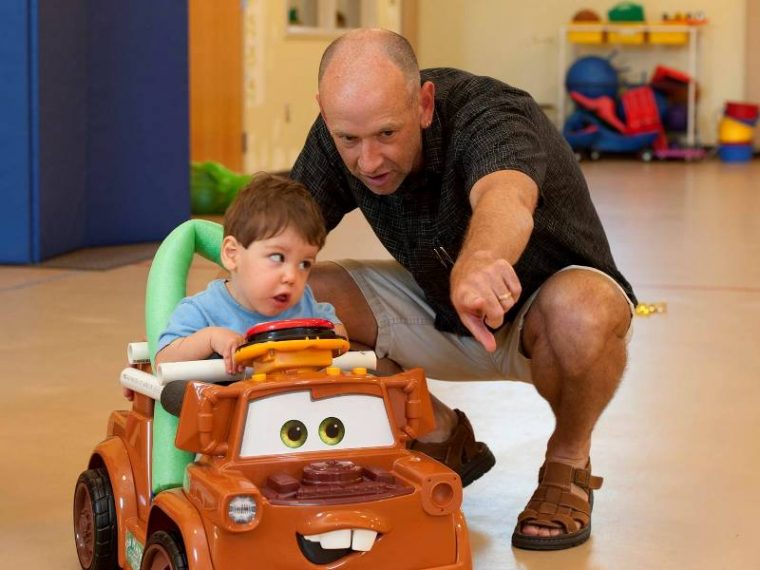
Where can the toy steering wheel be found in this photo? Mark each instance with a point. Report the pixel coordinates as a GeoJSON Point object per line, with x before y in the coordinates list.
{"type": "Point", "coordinates": [314, 339]}
{"type": "Point", "coordinates": [290, 329]}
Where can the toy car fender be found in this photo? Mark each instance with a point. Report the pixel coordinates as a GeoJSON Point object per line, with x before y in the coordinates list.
{"type": "Point", "coordinates": [112, 455]}
{"type": "Point", "coordinates": [172, 505]}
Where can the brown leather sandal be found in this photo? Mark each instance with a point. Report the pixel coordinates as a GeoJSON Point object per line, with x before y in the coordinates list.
{"type": "Point", "coordinates": [461, 453]}
{"type": "Point", "coordinates": [554, 506]}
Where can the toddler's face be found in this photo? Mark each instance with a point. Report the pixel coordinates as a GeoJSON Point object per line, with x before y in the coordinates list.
{"type": "Point", "coordinates": [269, 275]}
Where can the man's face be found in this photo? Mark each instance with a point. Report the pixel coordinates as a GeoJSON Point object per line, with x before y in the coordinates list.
{"type": "Point", "coordinates": [377, 127]}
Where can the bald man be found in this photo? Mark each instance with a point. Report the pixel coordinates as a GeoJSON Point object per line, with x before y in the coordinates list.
{"type": "Point", "coordinates": [501, 267]}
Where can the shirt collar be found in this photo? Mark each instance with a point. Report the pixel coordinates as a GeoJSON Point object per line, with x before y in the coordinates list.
{"type": "Point", "coordinates": [432, 158]}
{"type": "Point", "coordinates": [432, 146]}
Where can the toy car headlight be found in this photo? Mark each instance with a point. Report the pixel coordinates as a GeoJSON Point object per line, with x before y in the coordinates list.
{"type": "Point", "coordinates": [242, 509]}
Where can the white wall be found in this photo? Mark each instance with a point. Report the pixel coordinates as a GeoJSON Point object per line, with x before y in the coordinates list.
{"type": "Point", "coordinates": [281, 80]}
{"type": "Point", "coordinates": [517, 42]}
{"type": "Point", "coordinates": [752, 63]}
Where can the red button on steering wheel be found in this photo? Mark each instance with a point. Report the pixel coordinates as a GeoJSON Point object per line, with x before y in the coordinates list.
{"type": "Point", "coordinates": [290, 329]}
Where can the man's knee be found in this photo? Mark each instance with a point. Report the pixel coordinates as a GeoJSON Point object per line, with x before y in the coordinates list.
{"type": "Point", "coordinates": [578, 313]}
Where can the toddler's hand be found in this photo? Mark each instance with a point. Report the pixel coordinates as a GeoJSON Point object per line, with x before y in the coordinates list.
{"type": "Point", "coordinates": [226, 342]}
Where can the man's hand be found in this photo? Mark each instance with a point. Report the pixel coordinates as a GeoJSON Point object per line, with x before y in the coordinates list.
{"type": "Point", "coordinates": [483, 288]}
{"type": "Point", "coordinates": [484, 284]}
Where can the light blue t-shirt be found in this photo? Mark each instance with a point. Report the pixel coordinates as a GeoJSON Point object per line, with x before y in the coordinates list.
{"type": "Point", "coordinates": [215, 307]}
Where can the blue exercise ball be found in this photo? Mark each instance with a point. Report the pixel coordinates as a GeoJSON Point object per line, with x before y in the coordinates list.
{"type": "Point", "coordinates": [592, 76]}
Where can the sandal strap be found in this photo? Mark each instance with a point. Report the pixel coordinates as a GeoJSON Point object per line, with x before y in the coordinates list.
{"type": "Point", "coordinates": [562, 474]}
{"type": "Point", "coordinates": [553, 505]}
{"type": "Point", "coordinates": [564, 521]}
{"type": "Point", "coordinates": [457, 450]}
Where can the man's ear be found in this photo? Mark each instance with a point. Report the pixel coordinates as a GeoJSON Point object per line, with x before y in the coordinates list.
{"type": "Point", "coordinates": [427, 103]}
{"type": "Point", "coordinates": [319, 104]}
{"type": "Point", "coordinates": [231, 250]}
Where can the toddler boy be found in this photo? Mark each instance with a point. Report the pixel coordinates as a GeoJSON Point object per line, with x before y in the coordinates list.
{"type": "Point", "coordinates": [273, 231]}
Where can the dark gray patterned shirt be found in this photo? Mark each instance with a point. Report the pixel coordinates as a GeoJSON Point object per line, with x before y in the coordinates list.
{"type": "Point", "coordinates": [480, 126]}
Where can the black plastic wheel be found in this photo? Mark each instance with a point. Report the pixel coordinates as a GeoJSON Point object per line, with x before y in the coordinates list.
{"type": "Point", "coordinates": [95, 521]}
{"type": "Point", "coordinates": [164, 551]}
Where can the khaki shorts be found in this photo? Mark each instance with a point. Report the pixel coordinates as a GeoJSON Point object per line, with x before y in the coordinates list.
{"type": "Point", "coordinates": [406, 333]}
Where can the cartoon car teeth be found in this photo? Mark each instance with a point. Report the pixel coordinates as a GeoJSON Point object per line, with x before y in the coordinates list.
{"type": "Point", "coordinates": [346, 540]}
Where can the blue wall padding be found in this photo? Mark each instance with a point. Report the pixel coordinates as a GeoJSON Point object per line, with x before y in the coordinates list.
{"type": "Point", "coordinates": [15, 159]}
{"type": "Point", "coordinates": [138, 149]}
{"type": "Point", "coordinates": [94, 136]}
{"type": "Point", "coordinates": [62, 113]}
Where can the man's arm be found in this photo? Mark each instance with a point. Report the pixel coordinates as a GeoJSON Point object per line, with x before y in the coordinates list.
{"type": "Point", "coordinates": [484, 285]}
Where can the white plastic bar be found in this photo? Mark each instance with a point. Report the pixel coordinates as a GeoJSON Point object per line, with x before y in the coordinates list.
{"type": "Point", "coordinates": [141, 382]}
{"type": "Point", "coordinates": [205, 370]}
{"type": "Point", "coordinates": [356, 359]}
{"type": "Point", "coordinates": [213, 370]}
{"type": "Point", "coordinates": [137, 353]}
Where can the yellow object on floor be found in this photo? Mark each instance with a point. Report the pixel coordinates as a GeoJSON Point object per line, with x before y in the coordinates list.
{"type": "Point", "coordinates": [734, 131]}
{"type": "Point", "coordinates": [648, 309]}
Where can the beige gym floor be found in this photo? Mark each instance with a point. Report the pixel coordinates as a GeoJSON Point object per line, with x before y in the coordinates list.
{"type": "Point", "coordinates": [678, 446]}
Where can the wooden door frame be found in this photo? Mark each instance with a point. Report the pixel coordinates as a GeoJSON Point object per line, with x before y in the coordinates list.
{"type": "Point", "coordinates": [215, 53]}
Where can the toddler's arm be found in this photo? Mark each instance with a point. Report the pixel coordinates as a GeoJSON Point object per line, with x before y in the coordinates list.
{"type": "Point", "coordinates": [201, 345]}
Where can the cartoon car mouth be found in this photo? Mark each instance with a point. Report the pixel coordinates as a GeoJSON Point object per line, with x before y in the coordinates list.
{"type": "Point", "coordinates": [336, 482]}
{"type": "Point", "coordinates": [330, 546]}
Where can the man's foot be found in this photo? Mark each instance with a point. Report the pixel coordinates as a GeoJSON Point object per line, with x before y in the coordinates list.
{"type": "Point", "coordinates": [460, 452]}
{"type": "Point", "coordinates": [558, 515]}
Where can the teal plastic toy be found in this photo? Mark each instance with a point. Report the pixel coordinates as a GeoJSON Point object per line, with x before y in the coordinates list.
{"type": "Point", "coordinates": [167, 286]}
{"type": "Point", "coordinates": [213, 187]}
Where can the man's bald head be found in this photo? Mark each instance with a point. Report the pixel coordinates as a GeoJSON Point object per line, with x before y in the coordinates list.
{"type": "Point", "coordinates": [374, 107]}
{"type": "Point", "coordinates": [354, 50]}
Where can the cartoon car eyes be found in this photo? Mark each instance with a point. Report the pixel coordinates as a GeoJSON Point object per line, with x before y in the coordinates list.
{"type": "Point", "coordinates": [293, 423]}
{"type": "Point", "coordinates": [332, 431]}
{"type": "Point", "coordinates": [293, 433]}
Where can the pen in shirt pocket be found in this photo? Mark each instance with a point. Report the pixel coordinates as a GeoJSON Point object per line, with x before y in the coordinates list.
{"type": "Point", "coordinates": [443, 256]}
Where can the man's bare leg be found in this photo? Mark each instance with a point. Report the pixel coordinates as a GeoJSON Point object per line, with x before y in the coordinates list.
{"type": "Point", "coordinates": [332, 284]}
{"type": "Point", "coordinates": [574, 334]}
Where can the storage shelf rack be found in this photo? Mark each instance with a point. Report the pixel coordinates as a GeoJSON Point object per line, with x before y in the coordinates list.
{"type": "Point", "coordinates": [690, 31]}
